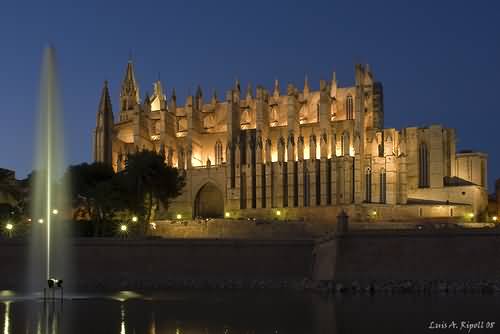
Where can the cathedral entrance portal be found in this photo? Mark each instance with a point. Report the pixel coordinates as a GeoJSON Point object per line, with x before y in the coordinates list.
{"type": "Point", "coordinates": [209, 202]}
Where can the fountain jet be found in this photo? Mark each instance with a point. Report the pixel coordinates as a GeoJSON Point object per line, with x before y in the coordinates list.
{"type": "Point", "coordinates": [49, 205]}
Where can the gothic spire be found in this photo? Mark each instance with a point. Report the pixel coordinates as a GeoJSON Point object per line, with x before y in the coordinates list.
{"type": "Point", "coordinates": [104, 128]}
{"type": "Point", "coordinates": [158, 89]}
{"type": "Point", "coordinates": [333, 86]}
{"type": "Point", "coordinates": [249, 91]}
{"type": "Point", "coordinates": [276, 91]}
{"type": "Point", "coordinates": [237, 85]}
{"type": "Point", "coordinates": [105, 101]}
{"type": "Point", "coordinates": [174, 97]}
{"type": "Point", "coordinates": [214, 97]}
{"type": "Point", "coordinates": [306, 85]}
{"type": "Point", "coordinates": [130, 91]}
{"type": "Point", "coordinates": [199, 93]}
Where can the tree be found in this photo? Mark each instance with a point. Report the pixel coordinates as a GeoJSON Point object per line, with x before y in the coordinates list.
{"type": "Point", "coordinates": [148, 181]}
{"type": "Point", "coordinates": [94, 192]}
{"type": "Point", "coordinates": [9, 186]}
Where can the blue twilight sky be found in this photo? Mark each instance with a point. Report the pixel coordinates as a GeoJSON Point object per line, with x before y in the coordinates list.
{"type": "Point", "coordinates": [439, 61]}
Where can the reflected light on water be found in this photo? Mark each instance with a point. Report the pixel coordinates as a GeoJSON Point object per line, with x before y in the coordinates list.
{"type": "Point", "coordinates": [7, 293]}
{"type": "Point", "coordinates": [125, 295]}
{"type": "Point", "coordinates": [152, 327]}
{"type": "Point", "coordinates": [122, 327]}
{"type": "Point", "coordinates": [6, 321]}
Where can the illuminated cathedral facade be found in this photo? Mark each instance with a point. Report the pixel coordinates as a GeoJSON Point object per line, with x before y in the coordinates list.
{"type": "Point", "coordinates": [294, 153]}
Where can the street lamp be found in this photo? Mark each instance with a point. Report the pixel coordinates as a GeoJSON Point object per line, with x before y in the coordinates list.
{"type": "Point", "coordinates": [9, 227]}
{"type": "Point", "coordinates": [135, 219]}
{"type": "Point", "coordinates": [123, 228]}
{"type": "Point", "coordinates": [55, 212]}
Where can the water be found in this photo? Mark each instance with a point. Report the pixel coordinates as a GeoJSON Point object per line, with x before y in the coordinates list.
{"type": "Point", "coordinates": [243, 312]}
{"type": "Point", "coordinates": [49, 243]}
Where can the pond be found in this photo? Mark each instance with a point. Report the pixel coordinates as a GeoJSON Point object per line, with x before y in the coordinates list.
{"type": "Point", "coordinates": [247, 312]}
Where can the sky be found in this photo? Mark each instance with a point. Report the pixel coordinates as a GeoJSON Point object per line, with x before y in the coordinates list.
{"type": "Point", "coordinates": [439, 61]}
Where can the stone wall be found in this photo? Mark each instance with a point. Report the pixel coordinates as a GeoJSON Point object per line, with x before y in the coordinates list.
{"type": "Point", "coordinates": [121, 264]}
{"type": "Point", "coordinates": [236, 229]}
{"type": "Point", "coordinates": [411, 255]}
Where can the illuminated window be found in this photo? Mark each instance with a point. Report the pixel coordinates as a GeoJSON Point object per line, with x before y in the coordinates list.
{"type": "Point", "coordinates": [218, 153]}
{"type": "Point", "coordinates": [274, 116]}
{"type": "Point", "coordinates": [423, 159]}
{"type": "Point", "coordinates": [382, 186]}
{"type": "Point", "coordinates": [344, 144]}
{"type": "Point", "coordinates": [349, 107]}
{"type": "Point", "coordinates": [368, 185]}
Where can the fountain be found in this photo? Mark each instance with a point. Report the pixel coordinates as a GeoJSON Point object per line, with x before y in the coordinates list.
{"type": "Point", "coordinates": [49, 208]}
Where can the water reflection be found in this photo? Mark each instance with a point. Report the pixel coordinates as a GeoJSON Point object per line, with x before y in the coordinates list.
{"type": "Point", "coordinates": [51, 317]}
{"type": "Point", "coordinates": [241, 313]}
{"type": "Point", "coordinates": [6, 318]}
{"type": "Point", "coordinates": [152, 326]}
{"type": "Point", "coordinates": [122, 323]}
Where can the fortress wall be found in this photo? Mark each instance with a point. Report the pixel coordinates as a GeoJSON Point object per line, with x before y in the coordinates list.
{"type": "Point", "coordinates": [366, 256]}
{"type": "Point", "coordinates": [326, 215]}
{"type": "Point", "coordinates": [114, 263]}
{"type": "Point", "coordinates": [233, 229]}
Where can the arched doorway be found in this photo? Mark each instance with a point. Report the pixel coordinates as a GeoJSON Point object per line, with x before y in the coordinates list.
{"type": "Point", "coordinates": [209, 202]}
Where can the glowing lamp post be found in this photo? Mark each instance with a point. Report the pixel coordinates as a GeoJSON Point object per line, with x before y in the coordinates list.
{"type": "Point", "coordinates": [135, 219]}
{"type": "Point", "coordinates": [123, 230]}
{"type": "Point", "coordinates": [9, 227]}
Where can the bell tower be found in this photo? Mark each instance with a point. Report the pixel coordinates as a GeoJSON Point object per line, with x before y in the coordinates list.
{"type": "Point", "coordinates": [104, 129]}
{"type": "Point", "coordinates": [129, 95]}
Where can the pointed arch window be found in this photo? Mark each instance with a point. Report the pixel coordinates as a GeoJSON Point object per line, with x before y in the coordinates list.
{"type": "Point", "coordinates": [368, 185]}
{"type": "Point", "coordinates": [274, 116]}
{"type": "Point", "coordinates": [344, 144]}
{"type": "Point", "coordinates": [423, 161]}
{"type": "Point", "coordinates": [218, 153]}
{"type": "Point", "coordinates": [383, 186]}
{"type": "Point", "coordinates": [349, 107]}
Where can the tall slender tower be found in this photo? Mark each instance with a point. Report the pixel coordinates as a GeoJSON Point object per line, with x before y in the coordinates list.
{"type": "Point", "coordinates": [129, 95]}
{"type": "Point", "coordinates": [104, 129]}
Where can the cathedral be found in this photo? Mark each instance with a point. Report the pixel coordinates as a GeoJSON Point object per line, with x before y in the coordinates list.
{"type": "Point", "coordinates": [293, 154]}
